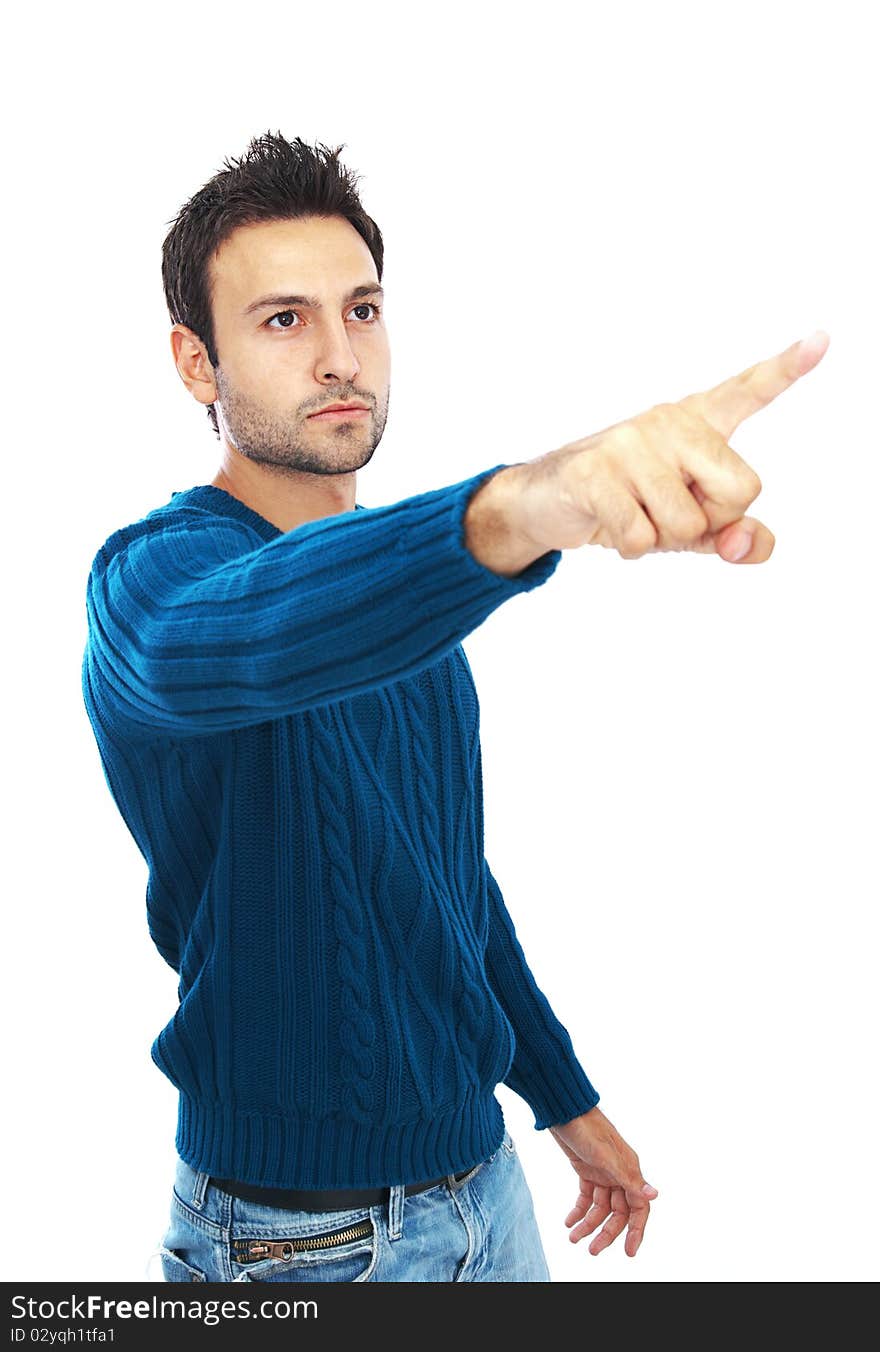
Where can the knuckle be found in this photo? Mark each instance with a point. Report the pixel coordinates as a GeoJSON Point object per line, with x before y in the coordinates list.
{"type": "Point", "coordinates": [625, 442]}
{"type": "Point", "coordinates": [637, 540]}
{"type": "Point", "coordinates": [677, 514]}
{"type": "Point", "coordinates": [628, 435]}
{"type": "Point", "coordinates": [693, 527]}
{"type": "Point", "coordinates": [665, 490]}
{"type": "Point", "coordinates": [667, 412]}
{"type": "Point", "coordinates": [676, 511]}
{"type": "Point", "coordinates": [692, 406]}
{"type": "Point", "coordinates": [661, 425]}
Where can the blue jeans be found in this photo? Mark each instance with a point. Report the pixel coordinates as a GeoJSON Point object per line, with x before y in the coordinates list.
{"type": "Point", "coordinates": [480, 1228]}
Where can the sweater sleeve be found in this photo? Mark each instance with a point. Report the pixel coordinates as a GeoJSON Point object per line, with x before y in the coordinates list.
{"type": "Point", "coordinates": [194, 630]}
{"type": "Point", "coordinates": [544, 1071]}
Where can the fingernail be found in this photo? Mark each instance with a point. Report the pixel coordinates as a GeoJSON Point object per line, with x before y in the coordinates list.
{"type": "Point", "coordinates": [739, 544]}
{"type": "Point", "coordinates": [816, 338]}
{"type": "Point", "coordinates": [648, 1187]}
{"type": "Point", "coordinates": [811, 349]}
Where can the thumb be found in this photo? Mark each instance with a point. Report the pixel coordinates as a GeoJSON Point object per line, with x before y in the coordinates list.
{"type": "Point", "coordinates": [638, 1189]}
{"type": "Point", "coordinates": [744, 541]}
{"type": "Point", "coordinates": [735, 542]}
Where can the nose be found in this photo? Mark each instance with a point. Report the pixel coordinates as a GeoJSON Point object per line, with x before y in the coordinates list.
{"type": "Point", "coordinates": [334, 359]}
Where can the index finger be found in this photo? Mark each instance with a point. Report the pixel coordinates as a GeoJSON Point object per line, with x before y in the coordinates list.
{"type": "Point", "coordinates": [726, 405]}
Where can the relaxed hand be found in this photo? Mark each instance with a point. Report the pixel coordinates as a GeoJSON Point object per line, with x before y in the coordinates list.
{"type": "Point", "coordinates": [613, 1193]}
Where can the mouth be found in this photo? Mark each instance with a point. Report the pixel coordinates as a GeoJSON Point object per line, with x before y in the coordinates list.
{"type": "Point", "coordinates": [340, 414]}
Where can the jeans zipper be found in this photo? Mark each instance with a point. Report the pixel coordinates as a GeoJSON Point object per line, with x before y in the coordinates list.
{"type": "Point", "coordinates": [249, 1250]}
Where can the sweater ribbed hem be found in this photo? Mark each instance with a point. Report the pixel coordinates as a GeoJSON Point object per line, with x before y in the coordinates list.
{"type": "Point", "coordinates": [288, 1150]}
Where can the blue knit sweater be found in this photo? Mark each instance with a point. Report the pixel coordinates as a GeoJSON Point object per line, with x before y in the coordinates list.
{"type": "Point", "coordinates": [288, 724]}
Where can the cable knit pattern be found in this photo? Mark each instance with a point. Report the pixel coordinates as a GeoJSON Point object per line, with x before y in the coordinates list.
{"type": "Point", "coordinates": [471, 997]}
{"type": "Point", "coordinates": [289, 727]}
{"type": "Point", "coordinates": [403, 1058]}
{"type": "Point", "coordinates": [440, 950]}
{"type": "Point", "coordinates": [357, 1032]}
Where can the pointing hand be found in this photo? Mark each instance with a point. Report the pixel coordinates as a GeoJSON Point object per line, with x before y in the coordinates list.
{"type": "Point", "coordinates": [666, 479]}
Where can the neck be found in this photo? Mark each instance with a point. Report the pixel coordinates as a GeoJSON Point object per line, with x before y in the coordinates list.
{"type": "Point", "coordinates": [287, 498]}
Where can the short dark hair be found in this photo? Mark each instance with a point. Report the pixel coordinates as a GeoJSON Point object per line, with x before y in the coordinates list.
{"type": "Point", "coordinates": [274, 180]}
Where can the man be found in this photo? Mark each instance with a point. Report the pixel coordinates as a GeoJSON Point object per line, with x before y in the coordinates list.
{"type": "Point", "coordinates": [287, 721]}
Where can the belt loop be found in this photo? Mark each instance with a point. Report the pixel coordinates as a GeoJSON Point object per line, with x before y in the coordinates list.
{"type": "Point", "coordinates": [198, 1192]}
{"type": "Point", "coordinates": [457, 1181]}
{"type": "Point", "coordinates": [397, 1193]}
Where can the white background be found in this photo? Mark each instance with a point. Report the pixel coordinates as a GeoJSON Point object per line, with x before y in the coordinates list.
{"type": "Point", "coordinates": [586, 209]}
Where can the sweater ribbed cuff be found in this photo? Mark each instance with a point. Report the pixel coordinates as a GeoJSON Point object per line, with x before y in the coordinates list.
{"type": "Point", "coordinates": [532, 575]}
{"type": "Point", "coordinates": [558, 1092]}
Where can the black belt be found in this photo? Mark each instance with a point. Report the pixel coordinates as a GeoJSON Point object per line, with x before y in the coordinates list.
{"type": "Point", "coordinates": [324, 1199]}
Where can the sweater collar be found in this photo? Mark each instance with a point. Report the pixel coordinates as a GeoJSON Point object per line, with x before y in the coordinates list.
{"type": "Point", "coordinates": [213, 499]}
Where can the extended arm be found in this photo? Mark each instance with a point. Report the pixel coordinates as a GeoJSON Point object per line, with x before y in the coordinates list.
{"type": "Point", "coordinates": [194, 630]}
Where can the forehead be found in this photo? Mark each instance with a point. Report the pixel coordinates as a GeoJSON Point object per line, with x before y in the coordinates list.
{"type": "Point", "coordinates": [322, 255]}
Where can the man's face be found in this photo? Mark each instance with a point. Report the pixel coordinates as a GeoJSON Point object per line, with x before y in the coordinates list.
{"type": "Point", "coordinates": [283, 361]}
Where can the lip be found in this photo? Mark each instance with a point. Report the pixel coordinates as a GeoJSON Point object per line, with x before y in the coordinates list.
{"type": "Point", "coordinates": [348, 411]}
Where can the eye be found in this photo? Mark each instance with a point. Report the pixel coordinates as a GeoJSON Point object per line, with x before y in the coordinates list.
{"type": "Point", "coordinates": [362, 305]}
{"type": "Point", "coordinates": [369, 305]}
{"type": "Point", "coordinates": [282, 314]}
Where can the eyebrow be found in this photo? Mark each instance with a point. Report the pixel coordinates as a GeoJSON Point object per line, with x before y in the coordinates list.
{"type": "Point", "coordinates": [312, 302]}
